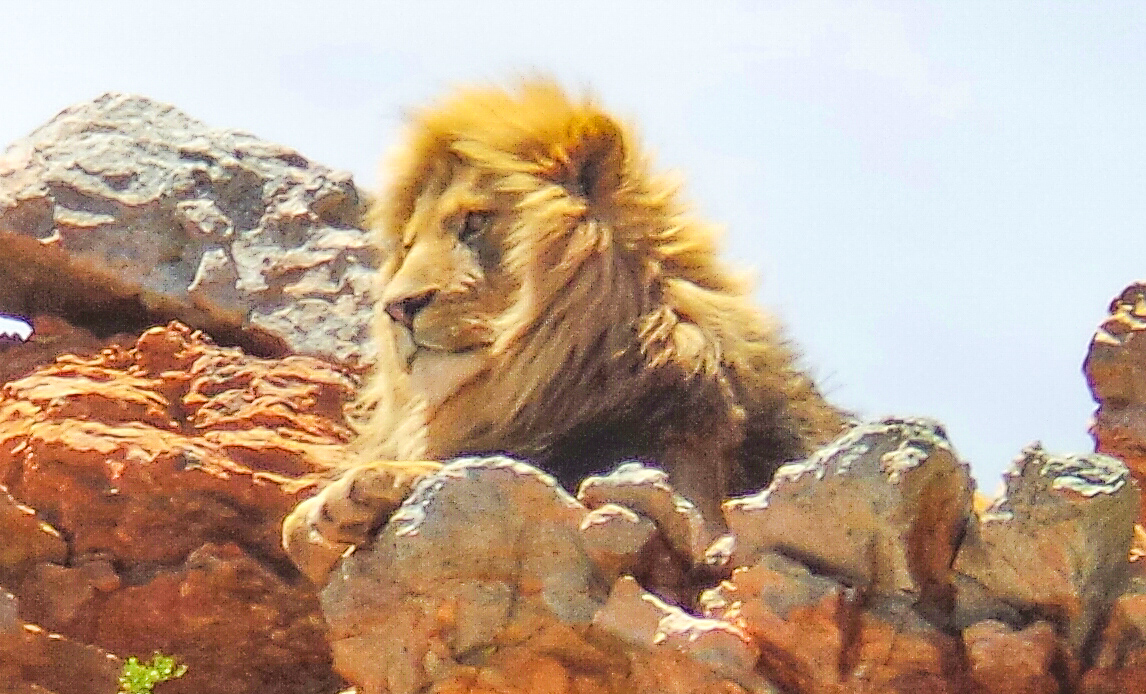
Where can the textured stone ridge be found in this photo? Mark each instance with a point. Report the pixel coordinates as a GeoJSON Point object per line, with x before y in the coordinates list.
{"type": "Point", "coordinates": [862, 569]}
{"type": "Point", "coordinates": [51, 337]}
{"type": "Point", "coordinates": [122, 211]}
{"type": "Point", "coordinates": [481, 582]}
{"type": "Point", "coordinates": [884, 506]}
{"type": "Point", "coordinates": [843, 564]}
{"type": "Point", "coordinates": [1115, 369]}
{"type": "Point", "coordinates": [141, 496]}
{"type": "Point", "coordinates": [1055, 546]}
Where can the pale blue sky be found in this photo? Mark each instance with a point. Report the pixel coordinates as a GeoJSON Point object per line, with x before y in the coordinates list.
{"type": "Point", "coordinates": [938, 199]}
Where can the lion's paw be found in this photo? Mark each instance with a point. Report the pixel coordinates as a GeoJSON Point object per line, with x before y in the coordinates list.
{"type": "Point", "coordinates": [345, 513]}
{"type": "Point", "coordinates": [353, 506]}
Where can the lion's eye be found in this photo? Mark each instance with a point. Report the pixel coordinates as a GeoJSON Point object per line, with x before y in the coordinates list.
{"type": "Point", "coordinates": [474, 225]}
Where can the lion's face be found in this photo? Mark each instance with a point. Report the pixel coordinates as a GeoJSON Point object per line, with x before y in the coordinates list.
{"type": "Point", "coordinates": [485, 226]}
{"type": "Point", "coordinates": [443, 283]}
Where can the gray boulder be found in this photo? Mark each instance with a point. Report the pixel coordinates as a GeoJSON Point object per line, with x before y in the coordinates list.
{"type": "Point", "coordinates": [124, 212]}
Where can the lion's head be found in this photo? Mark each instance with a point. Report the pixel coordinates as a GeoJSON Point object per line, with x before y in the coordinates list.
{"type": "Point", "coordinates": [537, 278]}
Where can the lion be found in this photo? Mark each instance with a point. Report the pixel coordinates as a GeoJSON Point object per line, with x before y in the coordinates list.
{"type": "Point", "coordinates": [544, 295]}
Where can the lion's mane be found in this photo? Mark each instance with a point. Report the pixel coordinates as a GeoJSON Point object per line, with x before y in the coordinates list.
{"type": "Point", "coordinates": [624, 336]}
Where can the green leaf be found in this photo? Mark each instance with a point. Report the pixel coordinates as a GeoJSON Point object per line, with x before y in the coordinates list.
{"type": "Point", "coordinates": [139, 678]}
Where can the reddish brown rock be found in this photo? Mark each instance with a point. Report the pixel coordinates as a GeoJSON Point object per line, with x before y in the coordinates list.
{"type": "Point", "coordinates": [490, 578]}
{"type": "Point", "coordinates": [641, 619]}
{"type": "Point", "coordinates": [39, 543]}
{"type": "Point", "coordinates": [1055, 545]}
{"type": "Point", "coordinates": [1120, 664]}
{"type": "Point", "coordinates": [1009, 661]}
{"type": "Point", "coordinates": [1115, 369]}
{"type": "Point", "coordinates": [165, 470]}
{"type": "Point", "coordinates": [33, 661]}
{"type": "Point", "coordinates": [896, 650]}
{"type": "Point", "coordinates": [794, 618]}
{"type": "Point", "coordinates": [619, 540]}
{"type": "Point", "coordinates": [218, 595]}
{"type": "Point", "coordinates": [646, 490]}
{"type": "Point", "coordinates": [818, 636]}
{"type": "Point", "coordinates": [673, 561]}
{"type": "Point", "coordinates": [51, 337]}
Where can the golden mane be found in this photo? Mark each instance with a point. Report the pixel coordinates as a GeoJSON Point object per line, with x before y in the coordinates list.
{"type": "Point", "coordinates": [624, 334]}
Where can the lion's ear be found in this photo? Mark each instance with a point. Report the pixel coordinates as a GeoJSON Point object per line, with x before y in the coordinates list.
{"type": "Point", "coordinates": [590, 162]}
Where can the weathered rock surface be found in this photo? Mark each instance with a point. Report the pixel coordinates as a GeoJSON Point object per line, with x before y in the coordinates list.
{"type": "Point", "coordinates": [840, 577]}
{"type": "Point", "coordinates": [843, 574]}
{"type": "Point", "coordinates": [123, 212]}
{"type": "Point", "coordinates": [52, 337]}
{"type": "Point", "coordinates": [1115, 369]}
{"type": "Point", "coordinates": [145, 489]}
{"type": "Point", "coordinates": [882, 508]}
{"type": "Point", "coordinates": [34, 661]}
{"type": "Point", "coordinates": [1120, 661]}
{"type": "Point", "coordinates": [481, 582]}
{"type": "Point", "coordinates": [1009, 661]}
{"type": "Point", "coordinates": [640, 526]}
{"type": "Point", "coordinates": [1056, 544]}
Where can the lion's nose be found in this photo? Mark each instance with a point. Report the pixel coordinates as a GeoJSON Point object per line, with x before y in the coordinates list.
{"type": "Point", "coordinates": [403, 310]}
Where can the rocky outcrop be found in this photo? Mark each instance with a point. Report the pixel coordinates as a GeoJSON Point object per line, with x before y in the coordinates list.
{"type": "Point", "coordinates": [50, 337]}
{"type": "Point", "coordinates": [33, 661]}
{"type": "Point", "coordinates": [143, 483]}
{"type": "Point", "coordinates": [849, 554]}
{"type": "Point", "coordinates": [482, 581]}
{"type": "Point", "coordinates": [1115, 369]}
{"type": "Point", "coordinates": [143, 492]}
{"type": "Point", "coordinates": [863, 568]}
{"type": "Point", "coordinates": [1056, 545]}
{"type": "Point", "coordinates": [144, 488]}
{"type": "Point", "coordinates": [123, 212]}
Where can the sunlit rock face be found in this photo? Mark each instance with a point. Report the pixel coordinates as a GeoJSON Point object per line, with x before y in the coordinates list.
{"type": "Point", "coordinates": [1115, 369]}
{"type": "Point", "coordinates": [144, 482]}
{"type": "Point", "coordinates": [859, 569]}
{"type": "Point", "coordinates": [144, 489]}
{"type": "Point", "coordinates": [485, 577]}
{"type": "Point", "coordinates": [122, 212]}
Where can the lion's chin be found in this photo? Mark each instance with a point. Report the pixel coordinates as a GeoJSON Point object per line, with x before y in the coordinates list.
{"type": "Point", "coordinates": [436, 375]}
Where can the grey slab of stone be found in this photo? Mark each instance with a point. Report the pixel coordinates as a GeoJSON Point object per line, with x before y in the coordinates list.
{"type": "Point", "coordinates": [124, 204]}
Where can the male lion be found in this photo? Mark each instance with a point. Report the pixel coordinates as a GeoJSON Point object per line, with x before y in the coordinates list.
{"type": "Point", "coordinates": [544, 295]}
